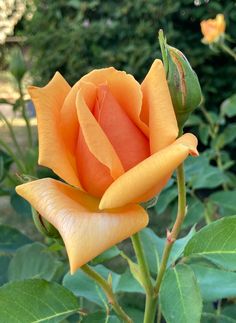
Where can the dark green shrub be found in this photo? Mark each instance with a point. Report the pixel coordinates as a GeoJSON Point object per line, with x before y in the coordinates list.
{"type": "Point", "coordinates": [77, 36]}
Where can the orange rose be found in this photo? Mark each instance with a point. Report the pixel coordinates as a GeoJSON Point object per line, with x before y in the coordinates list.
{"type": "Point", "coordinates": [114, 142]}
{"type": "Point", "coordinates": [212, 29]}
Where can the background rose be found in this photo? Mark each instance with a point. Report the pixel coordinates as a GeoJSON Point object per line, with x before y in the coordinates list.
{"type": "Point", "coordinates": [111, 138]}
{"type": "Point", "coordinates": [212, 29]}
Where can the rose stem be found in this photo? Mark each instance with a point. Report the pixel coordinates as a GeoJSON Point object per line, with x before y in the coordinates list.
{"type": "Point", "coordinates": [24, 114]}
{"type": "Point", "coordinates": [150, 303]}
{"type": "Point", "coordinates": [13, 136]}
{"type": "Point", "coordinates": [13, 155]}
{"type": "Point", "coordinates": [228, 50]}
{"type": "Point", "coordinates": [172, 236]}
{"type": "Point", "coordinates": [108, 291]}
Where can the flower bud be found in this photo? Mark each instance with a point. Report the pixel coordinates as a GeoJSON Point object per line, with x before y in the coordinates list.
{"type": "Point", "coordinates": [17, 65]}
{"type": "Point", "coordinates": [183, 83]}
{"type": "Point", "coordinates": [44, 227]}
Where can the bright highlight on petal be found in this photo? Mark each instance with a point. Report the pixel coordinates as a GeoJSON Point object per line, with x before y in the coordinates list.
{"type": "Point", "coordinates": [149, 175]}
{"type": "Point", "coordinates": [157, 108]}
{"type": "Point", "coordinates": [125, 89]}
{"type": "Point", "coordinates": [86, 231]}
{"type": "Point", "coordinates": [53, 152]}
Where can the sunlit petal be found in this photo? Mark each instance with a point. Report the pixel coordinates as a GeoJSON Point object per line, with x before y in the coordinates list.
{"type": "Point", "coordinates": [86, 231]}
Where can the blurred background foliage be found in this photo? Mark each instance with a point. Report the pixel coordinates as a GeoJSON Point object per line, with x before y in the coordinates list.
{"type": "Point", "coordinates": [75, 37]}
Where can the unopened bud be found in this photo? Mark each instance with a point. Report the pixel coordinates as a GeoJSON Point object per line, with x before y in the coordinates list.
{"type": "Point", "coordinates": [44, 227]}
{"type": "Point", "coordinates": [183, 82]}
{"type": "Point", "coordinates": [17, 65]}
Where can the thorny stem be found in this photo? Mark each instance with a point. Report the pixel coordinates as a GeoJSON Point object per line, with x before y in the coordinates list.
{"type": "Point", "coordinates": [172, 236]}
{"type": "Point", "coordinates": [108, 291]}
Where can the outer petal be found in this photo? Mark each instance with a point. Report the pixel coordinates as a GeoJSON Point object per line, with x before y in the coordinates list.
{"type": "Point", "coordinates": [158, 109]}
{"type": "Point", "coordinates": [52, 150]}
{"type": "Point", "coordinates": [125, 89]}
{"type": "Point", "coordinates": [86, 231]}
{"type": "Point", "coordinates": [149, 176]}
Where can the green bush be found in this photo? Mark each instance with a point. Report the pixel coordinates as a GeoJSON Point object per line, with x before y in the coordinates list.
{"type": "Point", "coordinates": [76, 36]}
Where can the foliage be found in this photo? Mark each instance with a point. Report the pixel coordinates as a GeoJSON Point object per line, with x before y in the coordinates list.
{"type": "Point", "coordinates": [185, 286]}
{"type": "Point", "coordinates": [75, 37]}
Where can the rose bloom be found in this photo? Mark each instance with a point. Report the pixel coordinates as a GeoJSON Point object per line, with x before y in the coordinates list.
{"type": "Point", "coordinates": [114, 142]}
{"type": "Point", "coordinates": [212, 29]}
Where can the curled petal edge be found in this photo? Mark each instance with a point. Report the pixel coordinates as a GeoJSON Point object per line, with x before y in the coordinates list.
{"type": "Point", "coordinates": [85, 230]}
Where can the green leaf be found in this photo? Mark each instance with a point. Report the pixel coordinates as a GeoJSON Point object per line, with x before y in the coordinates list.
{"type": "Point", "coordinates": [34, 261]}
{"type": "Point", "coordinates": [204, 133]}
{"type": "Point", "coordinates": [165, 198]}
{"type": "Point", "coordinates": [206, 176]}
{"type": "Point", "coordinates": [180, 296]}
{"type": "Point", "coordinates": [225, 200]}
{"type": "Point", "coordinates": [107, 255]}
{"type": "Point", "coordinates": [215, 318]}
{"type": "Point", "coordinates": [195, 212]}
{"type": "Point", "coordinates": [99, 317]}
{"type": "Point", "coordinates": [154, 246]}
{"type": "Point", "coordinates": [5, 162]}
{"type": "Point", "coordinates": [193, 120]}
{"type": "Point", "coordinates": [210, 177]}
{"type": "Point", "coordinates": [20, 205]}
{"type": "Point", "coordinates": [36, 300]}
{"type": "Point", "coordinates": [4, 263]}
{"type": "Point", "coordinates": [82, 285]}
{"type": "Point", "coordinates": [11, 239]}
{"type": "Point", "coordinates": [226, 137]}
{"type": "Point", "coordinates": [215, 283]}
{"type": "Point", "coordinates": [135, 314]}
{"type": "Point", "coordinates": [127, 284]}
{"type": "Point", "coordinates": [216, 242]}
{"type": "Point", "coordinates": [134, 269]}
{"type": "Point", "coordinates": [229, 311]}
{"type": "Point", "coordinates": [228, 107]}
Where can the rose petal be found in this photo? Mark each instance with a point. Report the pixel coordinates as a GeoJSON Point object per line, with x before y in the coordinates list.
{"type": "Point", "coordinates": [69, 120]}
{"type": "Point", "coordinates": [86, 231]}
{"type": "Point", "coordinates": [129, 142]}
{"type": "Point", "coordinates": [94, 176]}
{"type": "Point", "coordinates": [157, 108]}
{"type": "Point", "coordinates": [99, 147]}
{"type": "Point", "coordinates": [125, 89]}
{"type": "Point", "coordinates": [148, 176]}
{"type": "Point", "coordinates": [53, 152]}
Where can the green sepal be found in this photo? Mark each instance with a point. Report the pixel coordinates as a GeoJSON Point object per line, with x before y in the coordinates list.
{"type": "Point", "coordinates": [44, 227]}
